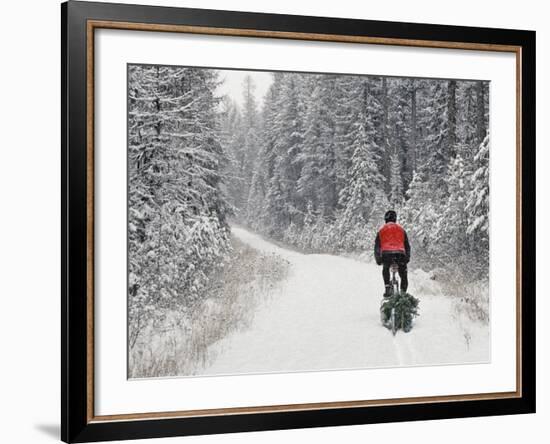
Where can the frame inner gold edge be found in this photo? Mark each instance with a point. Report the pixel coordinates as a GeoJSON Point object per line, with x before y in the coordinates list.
{"type": "Point", "coordinates": [94, 24]}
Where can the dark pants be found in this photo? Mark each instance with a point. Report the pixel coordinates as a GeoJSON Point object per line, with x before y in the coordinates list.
{"type": "Point", "coordinates": [401, 260]}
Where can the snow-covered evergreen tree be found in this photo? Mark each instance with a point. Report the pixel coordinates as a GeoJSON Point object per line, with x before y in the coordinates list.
{"type": "Point", "coordinates": [177, 227]}
{"type": "Point", "coordinates": [317, 181]}
{"type": "Point", "coordinates": [420, 215]}
{"type": "Point", "coordinates": [396, 181]}
{"type": "Point", "coordinates": [477, 206]}
{"type": "Point", "coordinates": [362, 196]}
{"type": "Point", "coordinates": [450, 233]}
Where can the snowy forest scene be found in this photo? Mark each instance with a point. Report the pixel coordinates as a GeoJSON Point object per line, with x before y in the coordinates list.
{"type": "Point", "coordinates": [254, 203]}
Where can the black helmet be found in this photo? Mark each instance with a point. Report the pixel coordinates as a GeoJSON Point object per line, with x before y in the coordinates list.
{"type": "Point", "coordinates": [390, 216]}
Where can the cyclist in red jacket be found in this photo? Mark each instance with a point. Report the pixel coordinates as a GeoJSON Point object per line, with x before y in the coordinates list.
{"type": "Point", "coordinates": [392, 246]}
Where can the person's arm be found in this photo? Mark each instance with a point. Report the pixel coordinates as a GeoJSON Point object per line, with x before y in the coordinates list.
{"type": "Point", "coordinates": [377, 256]}
{"type": "Point", "coordinates": [407, 247]}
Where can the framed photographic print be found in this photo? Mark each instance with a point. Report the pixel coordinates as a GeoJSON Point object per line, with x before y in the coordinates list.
{"type": "Point", "coordinates": [275, 221]}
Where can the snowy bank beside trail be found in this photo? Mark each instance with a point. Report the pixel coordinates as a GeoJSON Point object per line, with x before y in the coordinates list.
{"type": "Point", "coordinates": [422, 283]}
{"type": "Point", "coordinates": [182, 344]}
{"type": "Point", "coordinates": [469, 313]}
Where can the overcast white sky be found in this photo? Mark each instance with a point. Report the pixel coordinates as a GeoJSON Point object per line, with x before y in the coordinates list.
{"type": "Point", "coordinates": [233, 84]}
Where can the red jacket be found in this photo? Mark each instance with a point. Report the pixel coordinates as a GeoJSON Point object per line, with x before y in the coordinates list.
{"type": "Point", "coordinates": [391, 238]}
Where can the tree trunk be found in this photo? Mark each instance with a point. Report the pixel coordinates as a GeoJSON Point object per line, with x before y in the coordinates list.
{"type": "Point", "coordinates": [385, 135]}
{"type": "Point", "coordinates": [413, 125]}
{"type": "Point", "coordinates": [451, 110]}
{"type": "Point", "coordinates": [480, 118]}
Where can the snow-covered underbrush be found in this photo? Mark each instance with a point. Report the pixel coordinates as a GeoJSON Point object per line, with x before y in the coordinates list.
{"type": "Point", "coordinates": [471, 310]}
{"type": "Point", "coordinates": [471, 297]}
{"type": "Point", "coordinates": [471, 305]}
{"type": "Point", "coordinates": [327, 237]}
{"type": "Point", "coordinates": [180, 346]}
{"type": "Point", "coordinates": [424, 283]}
{"type": "Point", "coordinates": [470, 300]}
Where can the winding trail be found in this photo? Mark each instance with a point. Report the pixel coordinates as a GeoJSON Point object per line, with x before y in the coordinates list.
{"type": "Point", "coordinates": [325, 315]}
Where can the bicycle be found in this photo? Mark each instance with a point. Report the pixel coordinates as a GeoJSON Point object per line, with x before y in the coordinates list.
{"type": "Point", "coordinates": [399, 308]}
{"type": "Point", "coordinates": [394, 268]}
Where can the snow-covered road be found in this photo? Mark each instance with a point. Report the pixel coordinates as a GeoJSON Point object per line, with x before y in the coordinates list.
{"type": "Point", "coordinates": [326, 316]}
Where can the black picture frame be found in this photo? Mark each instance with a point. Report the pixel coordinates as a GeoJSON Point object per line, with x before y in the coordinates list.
{"type": "Point", "coordinates": [77, 424]}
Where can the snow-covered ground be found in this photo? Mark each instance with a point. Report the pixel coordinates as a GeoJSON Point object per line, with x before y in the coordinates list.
{"type": "Point", "coordinates": [326, 316]}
